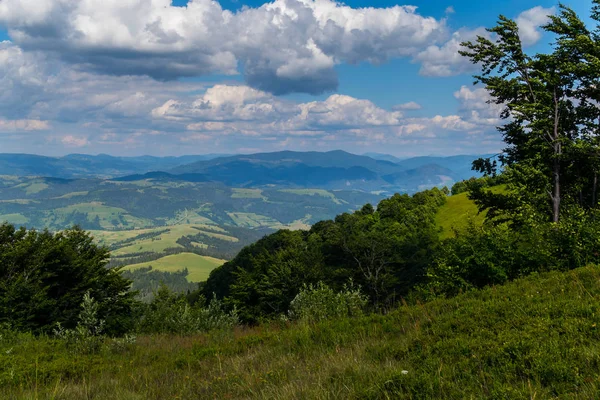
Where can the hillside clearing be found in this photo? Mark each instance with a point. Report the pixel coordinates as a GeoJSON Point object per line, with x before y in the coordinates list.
{"type": "Point", "coordinates": [199, 267]}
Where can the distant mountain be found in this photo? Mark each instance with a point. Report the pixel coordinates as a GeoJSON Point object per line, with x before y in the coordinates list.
{"type": "Point", "coordinates": [83, 165]}
{"type": "Point", "coordinates": [330, 159]}
{"type": "Point", "coordinates": [461, 165]}
{"type": "Point", "coordinates": [384, 157]}
{"type": "Point", "coordinates": [331, 170]}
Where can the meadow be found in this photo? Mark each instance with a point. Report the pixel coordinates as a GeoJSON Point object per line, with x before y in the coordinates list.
{"type": "Point", "coordinates": [199, 267]}
{"type": "Point", "coordinates": [534, 338]}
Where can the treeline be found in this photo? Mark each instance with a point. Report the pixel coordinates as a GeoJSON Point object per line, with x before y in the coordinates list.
{"type": "Point", "coordinates": [145, 282]}
{"type": "Point", "coordinates": [385, 251]}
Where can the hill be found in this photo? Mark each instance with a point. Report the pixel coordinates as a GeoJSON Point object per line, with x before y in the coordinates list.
{"type": "Point", "coordinates": [534, 338]}
{"type": "Point", "coordinates": [84, 165]}
{"type": "Point", "coordinates": [333, 170]}
{"type": "Point", "coordinates": [459, 210]}
{"type": "Point", "coordinates": [329, 170]}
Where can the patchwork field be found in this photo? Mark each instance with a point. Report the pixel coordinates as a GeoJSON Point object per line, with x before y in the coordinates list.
{"type": "Point", "coordinates": [199, 267]}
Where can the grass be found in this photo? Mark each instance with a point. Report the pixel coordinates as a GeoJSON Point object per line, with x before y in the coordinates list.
{"type": "Point", "coordinates": [314, 192]}
{"type": "Point", "coordinates": [535, 338]}
{"type": "Point", "coordinates": [247, 194]}
{"type": "Point", "coordinates": [456, 213]}
{"type": "Point", "coordinates": [199, 267]}
{"type": "Point", "coordinates": [33, 188]}
{"type": "Point", "coordinates": [458, 210]}
{"type": "Point", "coordinates": [107, 215]}
{"type": "Point", "coordinates": [251, 220]}
{"type": "Point", "coordinates": [73, 194]}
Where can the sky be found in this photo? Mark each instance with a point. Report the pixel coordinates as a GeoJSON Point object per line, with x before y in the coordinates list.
{"type": "Point", "coordinates": [174, 77]}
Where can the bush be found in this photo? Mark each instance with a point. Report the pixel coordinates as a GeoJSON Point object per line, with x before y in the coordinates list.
{"type": "Point", "coordinates": [44, 275]}
{"type": "Point", "coordinates": [171, 313]}
{"type": "Point", "coordinates": [87, 337]}
{"type": "Point", "coordinates": [320, 302]}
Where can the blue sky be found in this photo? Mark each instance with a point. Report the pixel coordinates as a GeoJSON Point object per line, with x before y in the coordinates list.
{"type": "Point", "coordinates": [153, 77]}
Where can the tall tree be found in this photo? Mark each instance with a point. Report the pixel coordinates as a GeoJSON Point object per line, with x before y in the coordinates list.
{"type": "Point", "coordinates": [550, 116]}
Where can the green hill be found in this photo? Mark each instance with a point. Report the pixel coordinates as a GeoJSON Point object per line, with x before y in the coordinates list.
{"type": "Point", "coordinates": [458, 210]}
{"type": "Point", "coordinates": [537, 337]}
{"type": "Point", "coordinates": [456, 213]}
{"type": "Point", "coordinates": [198, 267]}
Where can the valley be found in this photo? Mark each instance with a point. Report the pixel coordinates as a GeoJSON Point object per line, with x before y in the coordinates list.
{"type": "Point", "coordinates": [199, 211]}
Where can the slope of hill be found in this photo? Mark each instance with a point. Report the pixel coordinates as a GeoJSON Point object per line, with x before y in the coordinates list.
{"type": "Point", "coordinates": [537, 337]}
{"type": "Point", "coordinates": [459, 210]}
{"type": "Point", "coordinates": [456, 213]}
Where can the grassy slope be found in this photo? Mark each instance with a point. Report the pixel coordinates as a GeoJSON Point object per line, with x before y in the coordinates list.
{"type": "Point", "coordinates": [199, 267]}
{"type": "Point", "coordinates": [538, 337]}
{"type": "Point", "coordinates": [456, 213]}
{"type": "Point", "coordinates": [458, 210]}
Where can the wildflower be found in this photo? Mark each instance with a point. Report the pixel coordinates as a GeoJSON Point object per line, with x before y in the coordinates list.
{"type": "Point", "coordinates": [404, 372]}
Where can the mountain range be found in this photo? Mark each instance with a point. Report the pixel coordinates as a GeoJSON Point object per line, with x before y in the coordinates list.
{"type": "Point", "coordinates": [333, 170]}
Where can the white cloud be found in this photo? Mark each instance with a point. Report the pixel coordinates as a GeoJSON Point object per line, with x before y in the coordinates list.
{"type": "Point", "coordinates": [444, 60]}
{"type": "Point", "coordinates": [23, 125]}
{"type": "Point", "coordinates": [476, 106]}
{"type": "Point", "coordinates": [410, 106]}
{"type": "Point", "coordinates": [529, 22]}
{"type": "Point", "coordinates": [284, 46]}
{"type": "Point", "coordinates": [74, 141]}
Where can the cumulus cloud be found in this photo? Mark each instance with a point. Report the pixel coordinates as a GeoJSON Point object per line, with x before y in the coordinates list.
{"type": "Point", "coordinates": [410, 106]}
{"type": "Point", "coordinates": [529, 22]}
{"type": "Point", "coordinates": [23, 125]}
{"type": "Point", "coordinates": [476, 106]}
{"type": "Point", "coordinates": [283, 46]}
{"type": "Point", "coordinates": [74, 141]}
{"type": "Point", "coordinates": [444, 60]}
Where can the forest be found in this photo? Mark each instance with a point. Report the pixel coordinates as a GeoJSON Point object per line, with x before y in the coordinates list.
{"type": "Point", "coordinates": [375, 303]}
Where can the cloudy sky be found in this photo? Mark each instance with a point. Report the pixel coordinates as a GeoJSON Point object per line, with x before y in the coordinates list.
{"type": "Point", "coordinates": [172, 77]}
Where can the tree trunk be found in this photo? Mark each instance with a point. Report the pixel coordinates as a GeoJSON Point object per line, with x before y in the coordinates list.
{"type": "Point", "coordinates": [594, 188]}
{"type": "Point", "coordinates": [556, 163]}
{"type": "Point", "coordinates": [556, 191]}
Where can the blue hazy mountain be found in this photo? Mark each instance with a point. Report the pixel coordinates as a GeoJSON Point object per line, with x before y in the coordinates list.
{"type": "Point", "coordinates": [333, 170]}
{"type": "Point", "coordinates": [84, 165]}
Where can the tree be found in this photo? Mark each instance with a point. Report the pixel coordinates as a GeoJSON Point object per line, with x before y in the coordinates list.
{"type": "Point", "coordinates": [546, 105]}
{"type": "Point", "coordinates": [44, 276]}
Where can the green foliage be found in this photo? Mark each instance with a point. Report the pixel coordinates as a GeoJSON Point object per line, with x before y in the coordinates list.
{"type": "Point", "coordinates": [146, 281]}
{"type": "Point", "coordinates": [385, 251]}
{"type": "Point", "coordinates": [43, 277]}
{"type": "Point", "coordinates": [319, 302]}
{"type": "Point", "coordinates": [171, 313]}
{"type": "Point", "coordinates": [537, 337]}
{"type": "Point", "coordinates": [87, 337]}
{"type": "Point", "coordinates": [477, 183]}
{"type": "Point", "coordinates": [491, 254]}
{"type": "Point", "coordinates": [549, 104]}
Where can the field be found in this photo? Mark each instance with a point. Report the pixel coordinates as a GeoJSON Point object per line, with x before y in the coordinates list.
{"type": "Point", "coordinates": [199, 267]}
{"type": "Point", "coordinates": [535, 338]}
{"type": "Point", "coordinates": [459, 210]}
{"type": "Point", "coordinates": [97, 204]}
{"type": "Point", "coordinates": [456, 213]}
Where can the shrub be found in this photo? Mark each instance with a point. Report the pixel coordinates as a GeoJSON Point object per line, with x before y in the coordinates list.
{"type": "Point", "coordinates": [171, 313]}
{"type": "Point", "coordinates": [320, 302]}
{"type": "Point", "coordinates": [87, 337]}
